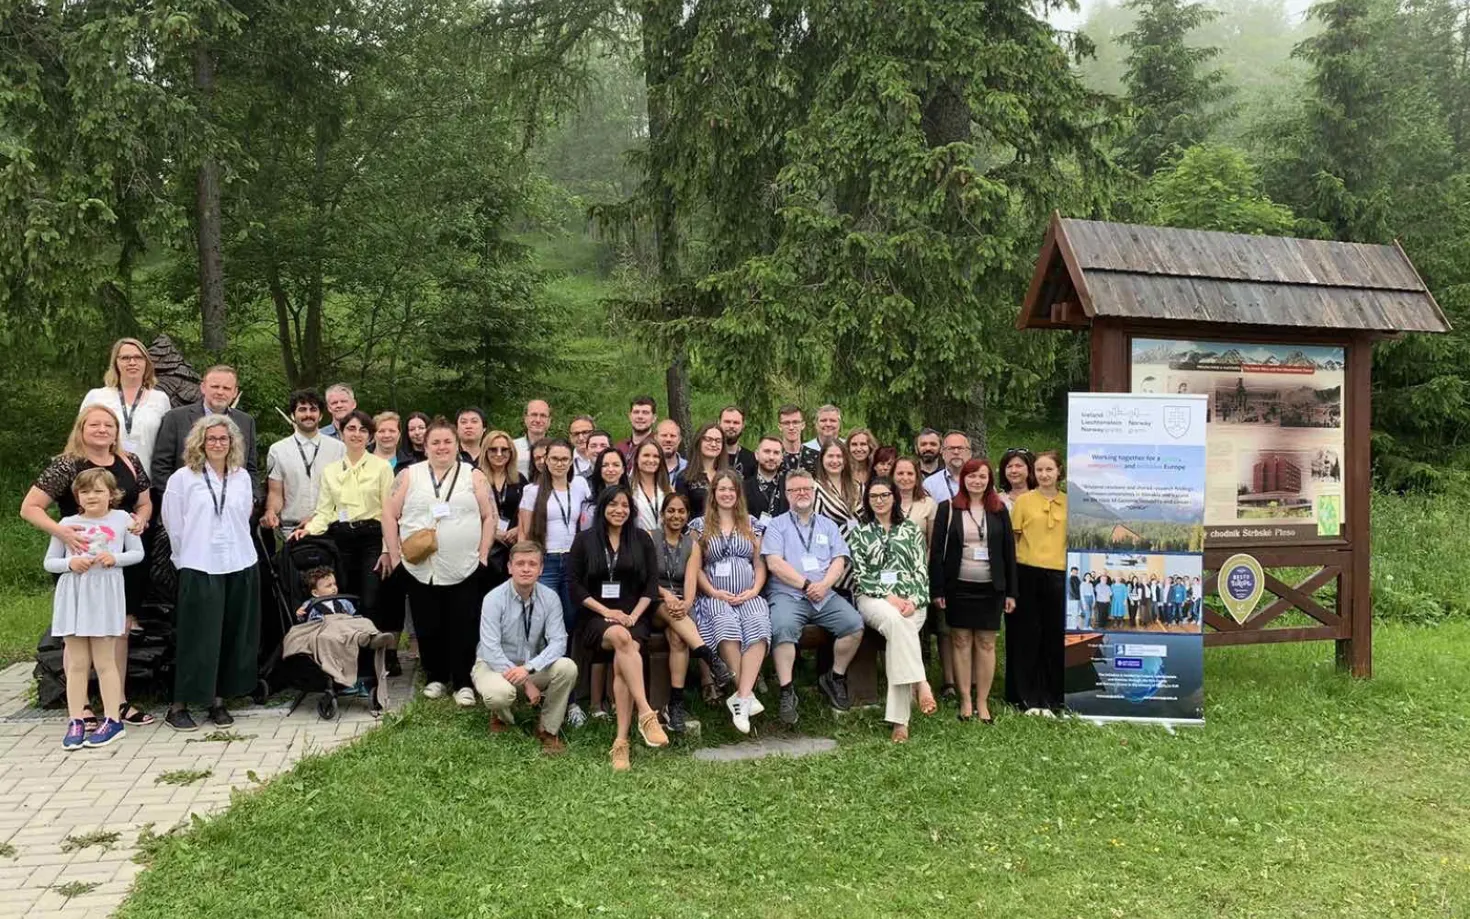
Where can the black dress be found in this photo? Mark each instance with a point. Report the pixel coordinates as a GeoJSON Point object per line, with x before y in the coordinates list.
{"type": "Point", "coordinates": [971, 604]}
{"type": "Point", "coordinates": [634, 569]}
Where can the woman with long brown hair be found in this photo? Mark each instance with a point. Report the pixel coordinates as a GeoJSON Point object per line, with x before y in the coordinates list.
{"type": "Point", "coordinates": [708, 458]}
{"type": "Point", "coordinates": [732, 616]}
{"type": "Point", "coordinates": [130, 389]}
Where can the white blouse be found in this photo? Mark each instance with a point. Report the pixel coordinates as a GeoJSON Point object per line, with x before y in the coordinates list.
{"type": "Point", "coordinates": [208, 521]}
{"type": "Point", "coordinates": [458, 530]}
{"type": "Point", "coordinates": [138, 437]}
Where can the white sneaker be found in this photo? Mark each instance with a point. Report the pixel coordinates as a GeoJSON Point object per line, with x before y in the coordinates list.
{"type": "Point", "coordinates": [465, 698]}
{"type": "Point", "coordinates": [738, 714]}
{"type": "Point", "coordinates": [1032, 711]}
{"type": "Point", "coordinates": [435, 690]}
{"type": "Point", "coordinates": [1048, 713]}
{"type": "Point", "coordinates": [575, 716]}
{"type": "Point", "coordinates": [753, 706]}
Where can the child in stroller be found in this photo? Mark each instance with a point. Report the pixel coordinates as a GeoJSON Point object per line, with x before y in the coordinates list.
{"type": "Point", "coordinates": [330, 632]}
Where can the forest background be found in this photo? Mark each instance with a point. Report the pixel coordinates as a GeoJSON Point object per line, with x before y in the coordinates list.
{"type": "Point", "coordinates": [452, 202]}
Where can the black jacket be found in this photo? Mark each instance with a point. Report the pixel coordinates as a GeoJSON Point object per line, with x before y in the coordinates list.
{"type": "Point", "coordinates": [946, 548]}
{"type": "Point", "coordinates": [168, 448]}
{"type": "Point", "coordinates": [755, 498]}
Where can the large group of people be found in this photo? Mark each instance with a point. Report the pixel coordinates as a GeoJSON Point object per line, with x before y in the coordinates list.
{"type": "Point", "coordinates": [531, 562]}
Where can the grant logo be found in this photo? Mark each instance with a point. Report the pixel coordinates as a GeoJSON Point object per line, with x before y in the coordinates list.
{"type": "Point", "coordinates": [1176, 420]}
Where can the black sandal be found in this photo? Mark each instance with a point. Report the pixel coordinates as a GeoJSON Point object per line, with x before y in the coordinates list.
{"type": "Point", "coordinates": [89, 719]}
{"type": "Point", "coordinates": [132, 714]}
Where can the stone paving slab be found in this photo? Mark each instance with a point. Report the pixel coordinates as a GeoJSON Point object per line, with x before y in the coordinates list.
{"type": "Point", "coordinates": [759, 749]}
{"type": "Point", "coordinates": [48, 796]}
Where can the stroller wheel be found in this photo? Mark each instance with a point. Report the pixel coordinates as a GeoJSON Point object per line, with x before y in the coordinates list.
{"type": "Point", "coordinates": [326, 706]}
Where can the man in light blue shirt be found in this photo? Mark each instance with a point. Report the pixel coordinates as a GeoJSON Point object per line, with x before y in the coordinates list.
{"type": "Point", "coordinates": [945, 483]}
{"type": "Point", "coordinates": [806, 556]}
{"type": "Point", "coordinates": [829, 425]}
{"type": "Point", "coordinates": [523, 646]}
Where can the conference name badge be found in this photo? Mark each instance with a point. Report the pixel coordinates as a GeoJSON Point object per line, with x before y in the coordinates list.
{"type": "Point", "coordinates": [612, 591]}
{"type": "Point", "coordinates": [723, 569]}
{"type": "Point", "coordinates": [441, 510]}
{"type": "Point", "coordinates": [980, 553]}
{"type": "Point", "coordinates": [888, 578]}
{"type": "Point", "coordinates": [811, 563]}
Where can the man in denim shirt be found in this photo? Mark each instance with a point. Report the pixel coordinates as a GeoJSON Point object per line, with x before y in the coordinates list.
{"type": "Point", "coordinates": [523, 646]}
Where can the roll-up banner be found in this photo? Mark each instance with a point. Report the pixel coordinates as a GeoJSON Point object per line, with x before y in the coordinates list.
{"type": "Point", "coordinates": [1135, 541]}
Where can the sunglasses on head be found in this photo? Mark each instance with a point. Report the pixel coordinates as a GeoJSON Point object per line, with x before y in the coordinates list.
{"type": "Point", "coordinates": [1017, 451]}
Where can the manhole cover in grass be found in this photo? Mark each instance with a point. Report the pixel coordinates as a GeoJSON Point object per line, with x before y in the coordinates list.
{"type": "Point", "coordinates": [759, 749]}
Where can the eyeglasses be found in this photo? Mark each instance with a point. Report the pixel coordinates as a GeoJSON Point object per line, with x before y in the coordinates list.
{"type": "Point", "coordinates": [558, 459]}
{"type": "Point", "coordinates": [879, 495]}
{"type": "Point", "coordinates": [131, 359]}
{"type": "Point", "coordinates": [958, 448]}
{"type": "Point", "coordinates": [800, 490]}
{"type": "Point", "coordinates": [580, 435]}
{"type": "Point", "coordinates": [714, 441]}
{"type": "Point", "coordinates": [221, 439]}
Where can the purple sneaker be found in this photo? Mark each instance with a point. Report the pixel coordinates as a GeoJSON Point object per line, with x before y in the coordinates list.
{"type": "Point", "coordinates": [76, 733]}
{"type": "Point", "coordinates": [106, 734]}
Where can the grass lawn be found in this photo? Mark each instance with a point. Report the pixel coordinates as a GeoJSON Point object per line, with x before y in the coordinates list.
{"type": "Point", "coordinates": [1308, 793]}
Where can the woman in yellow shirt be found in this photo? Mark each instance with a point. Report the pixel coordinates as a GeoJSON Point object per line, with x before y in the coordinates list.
{"type": "Point", "coordinates": [349, 509]}
{"type": "Point", "coordinates": [1035, 632]}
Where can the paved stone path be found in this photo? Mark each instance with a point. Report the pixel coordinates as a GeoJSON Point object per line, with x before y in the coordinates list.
{"type": "Point", "coordinates": [48, 796]}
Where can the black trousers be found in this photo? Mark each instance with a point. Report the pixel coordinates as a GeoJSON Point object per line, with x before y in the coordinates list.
{"type": "Point", "coordinates": [446, 619]}
{"type": "Point", "coordinates": [359, 545]}
{"type": "Point", "coordinates": [1035, 635]}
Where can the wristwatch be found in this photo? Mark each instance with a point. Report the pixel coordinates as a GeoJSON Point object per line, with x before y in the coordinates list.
{"type": "Point", "coordinates": [805, 584]}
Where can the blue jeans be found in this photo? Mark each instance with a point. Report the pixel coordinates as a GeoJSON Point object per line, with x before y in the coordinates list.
{"type": "Point", "coordinates": [554, 575]}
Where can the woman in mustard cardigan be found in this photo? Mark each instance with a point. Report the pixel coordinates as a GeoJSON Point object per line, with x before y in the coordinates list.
{"type": "Point", "coordinates": [1035, 632]}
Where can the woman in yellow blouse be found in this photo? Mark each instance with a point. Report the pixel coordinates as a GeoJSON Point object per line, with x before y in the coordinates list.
{"type": "Point", "coordinates": [349, 509]}
{"type": "Point", "coordinates": [1035, 631]}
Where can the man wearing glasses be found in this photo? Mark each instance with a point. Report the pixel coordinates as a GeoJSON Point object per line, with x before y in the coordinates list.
{"type": "Point", "coordinates": [538, 422]}
{"type": "Point", "coordinates": [794, 454]}
{"type": "Point", "coordinates": [946, 482]}
{"type": "Point", "coordinates": [806, 556]}
{"type": "Point", "coordinates": [578, 433]}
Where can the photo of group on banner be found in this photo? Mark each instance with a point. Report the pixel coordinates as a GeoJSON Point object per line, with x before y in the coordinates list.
{"type": "Point", "coordinates": [1161, 593]}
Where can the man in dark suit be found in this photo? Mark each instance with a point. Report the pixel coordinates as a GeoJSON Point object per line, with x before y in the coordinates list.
{"type": "Point", "coordinates": [765, 489]}
{"type": "Point", "coordinates": [217, 393]}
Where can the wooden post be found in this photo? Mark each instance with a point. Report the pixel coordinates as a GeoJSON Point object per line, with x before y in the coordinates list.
{"type": "Point", "coordinates": [1355, 653]}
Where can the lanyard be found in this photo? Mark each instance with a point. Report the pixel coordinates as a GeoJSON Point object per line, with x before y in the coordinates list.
{"type": "Point", "coordinates": [655, 502]}
{"type": "Point", "coordinates": [527, 611]}
{"type": "Point", "coordinates": [611, 555]}
{"type": "Point", "coordinates": [217, 504]}
{"type": "Point", "coordinates": [499, 493]}
{"type": "Point", "coordinates": [129, 411]}
{"type": "Point", "coordinates": [315, 453]}
{"type": "Point", "coordinates": [564, 510]}
{"type": "Point", "coordinates": [437, 483]}
{"type": "Point", "coordinates": [885, 540]}
{"type": "Point", "coordinates": [806, 541]}
{"type": "Point", "coordinates": [768, 490]}
{"type": "Point", "coordinates": [671, 559]}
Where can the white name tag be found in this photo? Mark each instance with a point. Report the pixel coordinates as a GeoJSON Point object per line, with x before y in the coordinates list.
{"type": "Point", "coordinates": [612, 591]}
{"type": "Point", "coordinates": [821, 539]}
{"type": "Point", "coordinates": [342, 515]}
{"type": "Point", "coordinates": [441, 510]}
{"type": "Point", "coordinates": [888, 578]}
{"type": "Point", "coordinates": [811, 563]}
{"type": "Point", "coordinates": [723, 569]}
{"type": "Point", "coordinates": [764, 520]}
{"type": "Point", "coordinates": [504, 525]}
{"type": "Point", "coordinates": [980, 554]}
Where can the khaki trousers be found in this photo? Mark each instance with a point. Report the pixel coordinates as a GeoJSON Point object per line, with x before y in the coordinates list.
{"type": "Point", "coordinates": [903, 658]}
{"type": "Point", "coordinates": [556, 682]}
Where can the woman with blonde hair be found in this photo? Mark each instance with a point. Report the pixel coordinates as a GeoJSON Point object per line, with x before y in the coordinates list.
{"type": "Point", "coordinates": [387, 435]}
{"type": "Point", "coordinates": [499, 460]}
{"type": "Point", "coordinates": [129, 390]}
{"type": "Point", "coordinates": [95, 442]}
{"type": "Point", "coordinates": [206, 511]}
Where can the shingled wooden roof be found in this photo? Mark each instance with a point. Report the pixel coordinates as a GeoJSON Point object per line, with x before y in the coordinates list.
{"type": "Point", "coordinates": [1090, 269]}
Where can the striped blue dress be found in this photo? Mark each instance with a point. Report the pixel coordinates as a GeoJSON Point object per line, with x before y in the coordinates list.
{"type": "Point", "coordinates": [729, 563]}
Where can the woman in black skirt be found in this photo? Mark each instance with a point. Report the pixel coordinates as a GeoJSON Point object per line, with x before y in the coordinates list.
{"type": "Point", "coordinates": [614, 584]}
{"type": "Point", "coordinates": [972, 575]}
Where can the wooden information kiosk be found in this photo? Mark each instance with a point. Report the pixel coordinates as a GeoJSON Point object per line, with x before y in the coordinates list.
{"type": "Point", "coordinates": [1279, 334]}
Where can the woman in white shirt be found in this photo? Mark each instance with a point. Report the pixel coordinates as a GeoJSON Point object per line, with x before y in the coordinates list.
{"type": "Point", "coordinates": [550, 510]}
{"type": "Point", "coordinates": [129, 391]}
{"type": "Point", "coordinates": [206, 511]}
{"type": "Point", "coordinates": [650, 481]}
{"type": "Point", "coordinates": [451, 499]}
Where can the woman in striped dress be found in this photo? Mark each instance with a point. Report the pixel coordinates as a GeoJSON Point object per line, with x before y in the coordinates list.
{"type": "Point", "coordinates": [839, 496]}
{"type": "Point", "coordinates": [731, 613]}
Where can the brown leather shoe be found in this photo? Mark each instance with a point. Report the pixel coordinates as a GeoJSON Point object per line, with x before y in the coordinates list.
{"type": "Point", "coordinates": [496, 725]}
{"type": "Point", "coordinates": [620, 756]}
{"type": "Point", "coordinates": [551, 745]}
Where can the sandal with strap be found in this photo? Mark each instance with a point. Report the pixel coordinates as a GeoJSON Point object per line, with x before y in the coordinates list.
{"type": "Point", "coordinates": [89, 719]}
{"type": "Point", "coordinates": [132, 714]}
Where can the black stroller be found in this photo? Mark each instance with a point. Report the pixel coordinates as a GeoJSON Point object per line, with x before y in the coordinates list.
{"type": "Point", "coordinates": [286, 588]}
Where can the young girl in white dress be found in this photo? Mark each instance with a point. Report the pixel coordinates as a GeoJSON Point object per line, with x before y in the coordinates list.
{"type": "Point", "coordinates": [90, 609]}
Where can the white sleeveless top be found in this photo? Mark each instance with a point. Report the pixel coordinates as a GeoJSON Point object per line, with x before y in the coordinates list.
{"type": "Point", "coordinates": [459, 533]}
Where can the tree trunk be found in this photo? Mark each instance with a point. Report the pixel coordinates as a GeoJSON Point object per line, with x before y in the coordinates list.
{"type": "Point", "coordinates": [282, 303]}
{"type": "Point", "coordinates": [207, 218]}
{"type": "Point", "coordinates": [660, 17]}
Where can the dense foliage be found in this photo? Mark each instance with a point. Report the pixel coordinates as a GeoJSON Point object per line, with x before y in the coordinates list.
{"type": "Point", "coordinates": [797, 198]}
